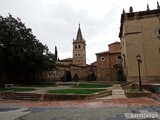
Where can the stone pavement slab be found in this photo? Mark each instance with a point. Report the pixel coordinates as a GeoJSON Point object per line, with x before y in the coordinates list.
{"type": "Point", "coordinates": [100, 113]}
{"type": "Point", "coordinates": [77, 110]}
{"type": "Point", "coordinates": [85, 103]}
{"type": "Point", "coordinates": [76, 114]}
{"type": "Point", "coordinates": [118, 96]}
{"type": "Point", "coordinates": [13, 114]}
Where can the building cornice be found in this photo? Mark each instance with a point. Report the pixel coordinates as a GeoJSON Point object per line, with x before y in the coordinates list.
{"type": "Point", "coordinates": [137, 15]}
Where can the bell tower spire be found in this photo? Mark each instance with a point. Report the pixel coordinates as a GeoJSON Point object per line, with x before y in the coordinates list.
{"type": "Point", "coordinates": [79, 34]}
{"type": "Point", "coordinates": [79, 49]}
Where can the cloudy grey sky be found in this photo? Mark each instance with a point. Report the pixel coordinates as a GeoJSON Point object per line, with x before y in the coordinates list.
{"type": "Point", "coordinates": [55, 22]}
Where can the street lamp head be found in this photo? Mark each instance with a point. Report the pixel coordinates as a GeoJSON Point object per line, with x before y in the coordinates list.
{"type": "Point", "coordinates": [138, 56]}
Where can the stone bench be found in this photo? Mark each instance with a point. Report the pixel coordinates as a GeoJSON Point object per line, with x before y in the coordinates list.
{"type": "Point", "coordinates": [9, 85]}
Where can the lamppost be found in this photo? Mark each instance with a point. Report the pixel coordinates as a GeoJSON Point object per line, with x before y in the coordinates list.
{"type": "Point", "coordinates": [138, 56]}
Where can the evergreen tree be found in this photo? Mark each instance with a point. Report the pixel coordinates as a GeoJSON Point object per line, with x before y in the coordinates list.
{"type": "Point", "coordinates": [56, 53]}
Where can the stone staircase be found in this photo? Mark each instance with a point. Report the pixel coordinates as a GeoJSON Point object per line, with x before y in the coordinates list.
{"type": "Point", "coordinates": [117, 92]}
{"type": "Point", "coordinates": [21, 96]}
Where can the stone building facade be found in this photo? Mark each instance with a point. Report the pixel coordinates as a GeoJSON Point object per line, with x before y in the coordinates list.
{"type": "Point", "coordinates": [140, 34]}
{"type": "Point", "coordinates": [109, 63]}
{"type": "Point", "coordinates": [77, 65]}
{"type": "Point", "coordinates": [106, 68]}
{"type": "Point", "coordinates": [79, 49]}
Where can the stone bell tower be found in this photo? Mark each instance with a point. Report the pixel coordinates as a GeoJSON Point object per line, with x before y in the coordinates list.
{"type": "Point", "coordinates": [79, 49]}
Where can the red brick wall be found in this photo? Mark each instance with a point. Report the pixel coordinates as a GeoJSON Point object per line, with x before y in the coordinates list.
{"type": "Point", "coordinates": [105, 68]}
{"type": "Point", "coordinates": [114, 47]}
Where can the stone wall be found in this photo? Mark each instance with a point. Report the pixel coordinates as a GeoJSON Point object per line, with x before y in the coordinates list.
{"type": "Point", "coordinates": [139, 36]}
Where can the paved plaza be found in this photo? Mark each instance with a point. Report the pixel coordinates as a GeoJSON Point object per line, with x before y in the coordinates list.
{"type": "Point", "coordinates": [114, 107]}
{"type": "Point", "coordinates": [99, 109]}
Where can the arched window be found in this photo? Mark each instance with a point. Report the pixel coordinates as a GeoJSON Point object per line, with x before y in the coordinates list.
{"type": "Point", "coordinates": [79, 46]}
{"type": "Point", "coordinates": [75, 46]}
{"type": "Point", "coordinates": [118, 57]}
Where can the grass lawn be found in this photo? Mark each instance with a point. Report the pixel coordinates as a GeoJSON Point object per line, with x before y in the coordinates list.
{"type": "Point", "coordinates": [93, 86]}
{"type": "Point", "coordinates": [16, 89]}
{"type": "Point", "coordinates": [75, 91]}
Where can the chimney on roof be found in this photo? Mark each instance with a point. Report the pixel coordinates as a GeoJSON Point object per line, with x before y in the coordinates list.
{"type": "Point", "coordinates": [123, 11]}
{"type": "Point", "coordinates": [148, 7]}
{"type": "Point", "coordinates": [158, 7]}
{"type": "Point", "coordinates": [131, 9]}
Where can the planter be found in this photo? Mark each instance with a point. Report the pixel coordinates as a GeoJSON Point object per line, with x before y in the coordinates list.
{"type": "Point", "coordinates": [144, 93]}
{"type": "Point", "coordinates": [76, 96]}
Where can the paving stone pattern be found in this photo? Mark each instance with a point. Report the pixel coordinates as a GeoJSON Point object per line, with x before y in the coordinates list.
{"type": "Point", "coordinates": [77, 110]}
{"type": "Point", "coordinates": [110, 113]}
